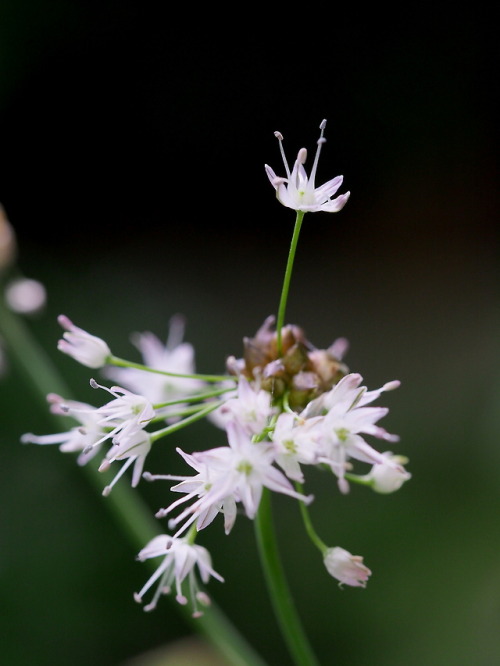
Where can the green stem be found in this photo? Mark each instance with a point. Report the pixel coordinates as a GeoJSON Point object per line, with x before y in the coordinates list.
{"type": "Point", "coordinates": [308, 523]}
{"type": "Point", "coordinates": [287, 278]}
{"type": "Point", "coordinates": [187, 421]}
{"type": "Point", "coordinates": [193, 398]}
{"type": "Point", "coordinates": [122, 363]}
{"type": "Point", "coordinates": [284, 608]}
{"type": "Point", "coordinates": [129, 510]}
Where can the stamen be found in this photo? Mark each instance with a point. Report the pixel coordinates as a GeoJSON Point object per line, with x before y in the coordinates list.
{"type": "Point", "coordinates": [125, 466]}
{"type": "Point", "coordinates": [279, 136]}
{"type": "Point", "coordinates": [321, 141]}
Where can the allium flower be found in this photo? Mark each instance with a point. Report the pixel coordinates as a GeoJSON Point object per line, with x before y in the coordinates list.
{"type": "Point", "coordinates": [179, 561]}
{"type": "Point", "coordinates": [298, 191]}
{"type": "Point", "coordinates": [227, 475]}
{"type": "Point", "coordinates": [126, 412]}
{"type": "Point", "coordinates": [175, 356]}
{"type": "Point", "coordinates": [346, 568]}
{"type": "Point", "coordinates": [85, 348]}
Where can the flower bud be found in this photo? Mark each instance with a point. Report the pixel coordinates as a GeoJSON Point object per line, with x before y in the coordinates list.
{"type": "Point", "coordinates": [387, 477]}
{"type": "Point", "coordinates": [85, 348]}
{"type": "Point", "coordinates": [348, 569]}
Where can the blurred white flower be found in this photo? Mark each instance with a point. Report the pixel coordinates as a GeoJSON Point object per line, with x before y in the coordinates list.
{"type": "Point", "coordinates": [174, 356]}
{"type": "Point", "coordinates": [25, 296]}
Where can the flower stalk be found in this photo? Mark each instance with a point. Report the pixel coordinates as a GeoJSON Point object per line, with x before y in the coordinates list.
{"type": "Point", "coordinates": [281, 598]}
{"type": "Point", "coordinates": [286, 281]}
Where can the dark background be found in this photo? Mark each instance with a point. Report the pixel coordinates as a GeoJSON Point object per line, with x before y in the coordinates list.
{"type": "Point", "coordinates": [132, 151]}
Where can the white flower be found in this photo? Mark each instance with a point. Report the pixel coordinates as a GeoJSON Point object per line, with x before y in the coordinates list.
{"type": "Point", "coordinates": [85, 348]}
{"type": "Point", "coordinates": [298, 191]}
{"type": "Point", "coordinates": [348, 569]}
{"type": "Point", "coordinates": [175, 356]}
{"type": "Point", "coordinates": [179, 561]}
{"type": "Point", "coordinates": [252, 408]}
{"type": "Point", "coordinates": [227, 475]}
{"type": "Point", "coordinates": [385, 477]}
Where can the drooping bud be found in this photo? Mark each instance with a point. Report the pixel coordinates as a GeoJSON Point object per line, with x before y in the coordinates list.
{"type": "Point", "coordinates": [346, 568]}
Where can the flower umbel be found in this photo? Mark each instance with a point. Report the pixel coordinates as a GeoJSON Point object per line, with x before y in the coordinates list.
{"type": "Point", "coordinates": [284, 407]}
{"type": "Point", "coordinates": [298, 190]}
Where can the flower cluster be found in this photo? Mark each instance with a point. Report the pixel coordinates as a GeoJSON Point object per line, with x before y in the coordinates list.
{"type": "Point", "coordinates": [283, 406]}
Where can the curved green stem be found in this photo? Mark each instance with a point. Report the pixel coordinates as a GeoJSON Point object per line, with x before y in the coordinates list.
{"type": "Point", "coordinates": [284, 608]}
{"type": "Point", "coordinates": [286, 281]}
{"type": "Point", "coordinates": [122, 363]}
{"type": "Point", "coordinates": [129, 510]}
{"type": "Point", "coordinates": [322, 547]}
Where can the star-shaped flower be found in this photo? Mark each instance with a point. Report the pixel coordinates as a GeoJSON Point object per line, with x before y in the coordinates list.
{"type": "Point", "coordinates": [299, 191]}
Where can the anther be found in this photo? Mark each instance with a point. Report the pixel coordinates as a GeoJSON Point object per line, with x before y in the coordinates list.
{"type": "Point", "coordinates": [279, 136]}
{"type": "Point", "coordinates": [161, 513]}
